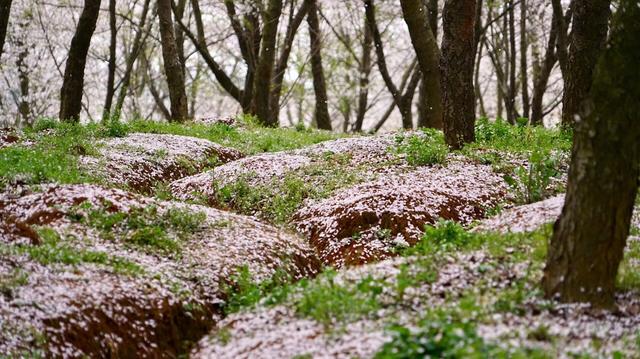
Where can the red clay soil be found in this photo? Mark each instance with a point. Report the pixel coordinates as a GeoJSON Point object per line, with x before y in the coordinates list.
{"type": "Point", "coordinates": [8, 137]}
{"type": "Point", "coordinates": [367, 222]}
{"type": "Point", "coordinates": [140, 160]}
{"type": "Point", "coordinates": [91, 309]}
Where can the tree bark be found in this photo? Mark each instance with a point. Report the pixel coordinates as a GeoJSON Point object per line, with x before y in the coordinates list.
{"type": "Point", "coordinates": [285, 52]}
{"type": "Point", "coordinates": [365, 72]}
{"type": "Point", "coordinates": [588, 35]}
{"type": "Point", "coordinates": [524, 45]}
{"type": "Point", "coordinates": [370, 13]}
{"type": "Point", "coordinates": [138, 42]}
{"type": "Point", "coordinates": [426, 48]}
{"type": "Point", "coordinates": [511, 96]}
{"type": "Point", "coordinates": [264, 72]}
{"type": "Point", "coordinates": [322, 118]}
{"type": "Point", "coordinates": [589, 237]}
{"type": "Point", "coordinates": [172, 65]}
{"type": "Point", "coordinates": [5, 10]}
{"type": "Point", "coordinates": [111, 77]}
{"type": "Point", "coordinates": [457, 59]}
{"type": "Point", "coordinates": [73, 83]}
{"type": "Point", "coordinates": [541, 79]}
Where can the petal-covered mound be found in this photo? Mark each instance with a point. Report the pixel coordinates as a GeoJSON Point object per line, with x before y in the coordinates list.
{"type": "Point", "coordinates": [524, 218]}
{"type": "Point", "coordinates": [139, 160]}
{"type": "Point", "coordinates": [360, 150]}
{"type": "Point", "coordinates": [258, 169]}
{"type": "Point", "coordinates": [103, 272]}
{"type": "Point", "coordinates": [366, 222]}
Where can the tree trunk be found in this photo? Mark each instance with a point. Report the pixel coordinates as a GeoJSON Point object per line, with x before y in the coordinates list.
{"type": "Point", "coordinates": [111, 77]}
{"type": "Point", "coordinates": [172, 65]}
{"type": "Point", "coordinates": [136, 47]}
{"type": "Point", "coordinates": [5, 10]}
{"type": "Point", "coordinates": [370, 13]}
{"type": "Point", "coordinates": [285, 53]}
{"type": "Point", "coordinates": [511, 97]}
{"type": "Point", "coordinates": [523, 58]}
{"type": "Point", "coordinates": [23, 76]}
{"type": "Point", "coordinates": [457, 59]}
{"type": "Point", "coordinates": [365, 72]}
{"type": "Point", "coordinates": [426, 48]}
{"type": "Point", "coordinates": [264, 71]}
{"type": "Point", "coordinates": [541, 78]}
{"type": "Point", "coordinates": [588, 35]}
{"type": "Point", "coordinates": [322, 110]}
{"type": "Point", "coordinates": [73, 83]}
{"type": "Point", "coordinates": [589, 237]}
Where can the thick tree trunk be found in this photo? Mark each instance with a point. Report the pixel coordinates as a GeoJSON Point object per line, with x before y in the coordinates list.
{"type": "Point", "coordinates": [5, 10]}
{"type": "Point", "coordinates": [457, 59]}
{"type": "Point", "coordinates": [426, 48]}
{"type": "Point", "coordinates": [72, 86]}
{"type": "Point", "coordinates": [589, 237]}
{"type": "Point", "coordinates": [111, 77]}
{"type": "Point", "coordinates": [266, 61]}
{"type": "Point", "coordinates": [588, 35]}
{"type": "Point", "coordinates": [322, 118]}
{"type": "Point", "coordinates": [172, 65]}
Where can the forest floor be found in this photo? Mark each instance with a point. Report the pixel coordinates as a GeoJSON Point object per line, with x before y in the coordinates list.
{"type": "Point", "coordinates": [228, 240]}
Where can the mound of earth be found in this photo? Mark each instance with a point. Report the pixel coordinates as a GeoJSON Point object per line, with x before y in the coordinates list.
{"type": "Point", "coordinates": [525, 218]}
{"type": "Point", "coordinates": [281, 332]}
{"type": "Point", "coordinates": [367, 222]}
{"type": "Point", "coordinates": [103, 272]}
{"type": "Point", "coordinates": [140, 160]}
{"type": "Point", "coordinates": [8, 136]}
{"type": "Point", "coordinates": [367, 150]}
{"type": "Point", "coordinates": [529, 217]}
{"type": "Point", "coordinates": [255, 170]}
{"type": "Point", "coordinates": [571, 330]}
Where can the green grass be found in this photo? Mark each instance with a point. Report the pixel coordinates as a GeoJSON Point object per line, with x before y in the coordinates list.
{"type": "Point", "coordinates": [629, 272]}
{"type": "Point", "coordinates": [55, 249]}
{"type": "Point", "coordinates": [54, 147]}
{"type": "Point", "coordinates": [251, 139]}
{"type": "Point", "coordinates": [499, 135]}
{"type": "Point", "coordinates": [428, 148]}
{"type": "Point", "coordinates": [146, 228]}
{"type": "Point", "coordinates": [277, 200]}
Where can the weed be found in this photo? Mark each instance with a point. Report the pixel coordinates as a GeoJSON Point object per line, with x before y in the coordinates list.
{"type": "Point", "coordinates": [328, 302]}
{"type": "Point", "coordinates": [11, 281]}
{"type": "Point", "coordinates": [532, 183]}
{"type": "Point", "coordinates": [55, 249]}
{"type": "Point", "coordinates": [144, 227]}
{"type": "Point", "coordinates": [425, 149]}
{"type": "Point", "coordinates": [244, 292]}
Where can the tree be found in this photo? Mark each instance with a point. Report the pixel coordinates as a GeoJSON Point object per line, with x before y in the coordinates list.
{"type": "Point", "coordinates": [172, 65]}
{"type": "Point", "coordinates": [402, 101]}
{"type": "Point", "coordinates": [456, 64]}
{"type": "Point", "coordinates": [264, 71]}
{"type": "Point", "coordinates": [322, 118]}
{"type": "Point", "coordinates": [111, 78]}
{"type": "Point", "coordinates": [72, 86]}
{"type": "Point", "coordinates": [5, 10]}
{"type": "Point", "coordinates": [426, 47]}
{"type": "Point", "coordinates": [588, 36]}
{"type": "Point", "coordinates": [589, 237]}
